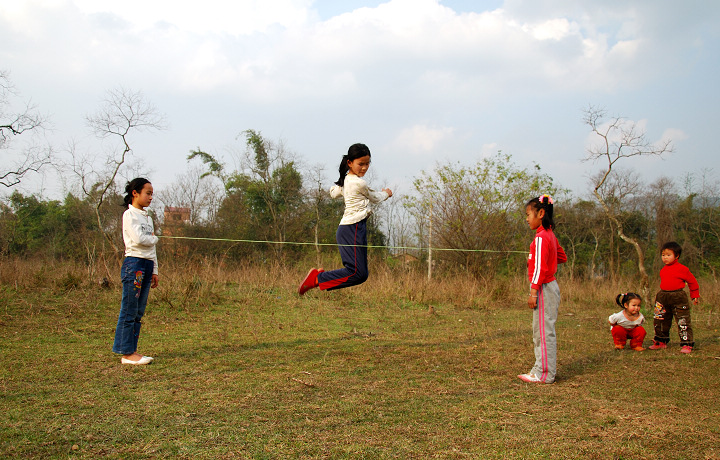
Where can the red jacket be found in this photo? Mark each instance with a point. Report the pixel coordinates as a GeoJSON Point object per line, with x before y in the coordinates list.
{"type": "Point", "coordinates": [674, 276]}
{"type": "Point", "coordinates": [545, 254]}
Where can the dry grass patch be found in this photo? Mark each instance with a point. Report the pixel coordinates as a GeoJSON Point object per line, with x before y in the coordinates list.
{"type": "Point", "coordinates": [246, 369]}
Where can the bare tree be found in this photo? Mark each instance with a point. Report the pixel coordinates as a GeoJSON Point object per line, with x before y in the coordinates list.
{"type": "Point", "coordinates": [197, 191]}
{"type": "Point", "coordinates": [699, 219]}
{"type": "Point", "coordinates": [398, 222]}
{"type": "Point", "coordinates": [662, 197]}
{"type": "Point", "coordinates": [13, 124]}
{"type": "Point", "coordinates": [619, 192]}
{"type": "Point", "coordinates": [121, 113]}
{"type": "Point", "coordinates": [318, 195]}
{"type": "Point", "coordinates": [619, 139]}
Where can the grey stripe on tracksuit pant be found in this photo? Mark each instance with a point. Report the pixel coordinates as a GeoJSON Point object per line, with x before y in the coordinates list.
{"type": "Point", "coordinates": [544, 338]}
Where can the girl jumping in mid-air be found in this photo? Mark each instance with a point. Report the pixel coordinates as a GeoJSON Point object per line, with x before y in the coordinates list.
{"type": "Point", "coordinates": [545, 255]}
{"type": "Point", "coordinates": [352, 232]}
{"type": "Point", "coordinates": [139, 270]}
{"type": "Point", "coordinates": [627, 323]}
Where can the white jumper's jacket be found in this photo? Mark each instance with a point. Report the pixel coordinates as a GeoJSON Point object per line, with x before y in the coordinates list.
{"type": "Point", "coordinates": [138, 235]}
{"type": "Point", "coordinates": [357, 198]}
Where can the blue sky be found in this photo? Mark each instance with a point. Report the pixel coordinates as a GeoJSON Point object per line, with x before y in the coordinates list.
{"type": "Point", "coordinates": [420, 82]}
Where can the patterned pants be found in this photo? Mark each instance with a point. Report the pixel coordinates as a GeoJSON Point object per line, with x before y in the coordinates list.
{"type": "Point", "coordinates": [667, 305]}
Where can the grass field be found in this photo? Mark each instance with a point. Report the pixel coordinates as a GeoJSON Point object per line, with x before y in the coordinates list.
{"type": "Point", "coordinates": [401, 368]}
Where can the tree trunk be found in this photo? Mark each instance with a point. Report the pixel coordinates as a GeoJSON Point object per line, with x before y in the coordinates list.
{"type": "Point", "coordinates": [644, 279]}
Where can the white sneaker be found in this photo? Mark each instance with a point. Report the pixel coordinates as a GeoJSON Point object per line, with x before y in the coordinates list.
{"type": "Point", "coordinates": [141, 361]}
{"type": "Point", "coordinates": [529, 378]}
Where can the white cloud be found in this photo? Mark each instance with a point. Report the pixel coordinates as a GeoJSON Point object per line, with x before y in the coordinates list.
{"type": "Point", "coordinates": [421, 139]}
{"type": "Point", "coordinates": [554, 29]}
{"type": "Point", "coordinates": [674, 135]}
{"type": "Point", "coordinates": [248, 47]}
{"type": "Point", "coordinates": [411, 73]}
{"type": "Point", "coordinates": [489, 150]}
{"type": "Point", "coordinates": [209, 16]}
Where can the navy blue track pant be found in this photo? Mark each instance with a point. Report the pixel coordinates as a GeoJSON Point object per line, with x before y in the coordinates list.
{"type": "Point", "coordinates": [352, 241]}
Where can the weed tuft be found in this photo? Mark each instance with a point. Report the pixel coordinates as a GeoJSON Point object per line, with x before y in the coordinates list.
{"type": "Point", "coordinates": [69, 281]}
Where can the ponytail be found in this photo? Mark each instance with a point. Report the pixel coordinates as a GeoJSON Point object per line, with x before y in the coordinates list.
{"type": "Point", "coordinates": [544, 202]}
{"type": "Point", "coordinates": [626, 297]}
{"type": "Point", "coordinates": [135, 185]}
{"type": "Point", "coordinates": [343, 170]}
{"type": "Point", "coordinates": [354, 152]}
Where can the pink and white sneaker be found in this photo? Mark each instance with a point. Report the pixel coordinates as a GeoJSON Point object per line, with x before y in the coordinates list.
{"type": "Point", "coordinates": [529, 378]}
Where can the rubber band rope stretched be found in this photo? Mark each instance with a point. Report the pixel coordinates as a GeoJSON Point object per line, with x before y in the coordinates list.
{"type": "Point", "coordinates": [336, 244]}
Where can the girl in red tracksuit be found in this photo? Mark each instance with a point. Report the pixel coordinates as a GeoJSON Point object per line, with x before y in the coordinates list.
{"type": "Point", "coordinates": [544, 299]}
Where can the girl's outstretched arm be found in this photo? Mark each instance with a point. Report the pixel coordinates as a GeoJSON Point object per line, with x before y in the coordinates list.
{"type": "Point", "coordinates": [376, 197]}
{"type": "Point", "coordinates": [336, 191]}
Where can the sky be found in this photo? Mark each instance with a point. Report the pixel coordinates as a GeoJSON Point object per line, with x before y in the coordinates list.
{"type": "Point", "coordinates": [421, 82]}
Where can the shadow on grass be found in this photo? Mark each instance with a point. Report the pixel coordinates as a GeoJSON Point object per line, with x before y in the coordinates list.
{"type": "Point", "coordinates": [230, 348]}
{"type": "Point", "coordinates": [581, 365]}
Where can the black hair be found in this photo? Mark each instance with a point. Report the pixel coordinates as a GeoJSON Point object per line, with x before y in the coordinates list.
{"type": "Point", "coordinates": [354, 152]}
{"type": "Point", "coordinates": [135, 185]}
{"type": "Point", "coordinates": [626, 297]}
{"type": "Point", "coordinates": [673, 246]}
{"type": "Point", "coordinates": [546, 203]}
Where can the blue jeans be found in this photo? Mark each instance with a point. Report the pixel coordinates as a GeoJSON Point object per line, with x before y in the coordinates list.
{"type": "Point", "coordinates": [136, 275]}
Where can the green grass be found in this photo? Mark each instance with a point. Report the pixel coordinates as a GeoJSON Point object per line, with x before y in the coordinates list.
{"type": "Point", "coordinates": [249, 370]}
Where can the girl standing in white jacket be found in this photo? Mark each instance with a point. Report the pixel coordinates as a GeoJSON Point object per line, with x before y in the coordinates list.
{"type": "Point", "coordinates": [139, 270]}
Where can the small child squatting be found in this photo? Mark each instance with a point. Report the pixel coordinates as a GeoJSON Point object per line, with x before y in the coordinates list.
{"type": "Point", "coordinates": [672, 300]}
{"type": "Point", "coordinates": [627, 323]}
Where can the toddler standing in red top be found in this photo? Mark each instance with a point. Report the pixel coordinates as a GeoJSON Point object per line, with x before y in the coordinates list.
{"type": "Point", "coordinates": [544, 299]}
{"type": "Point", "coordinates": [673, 301]}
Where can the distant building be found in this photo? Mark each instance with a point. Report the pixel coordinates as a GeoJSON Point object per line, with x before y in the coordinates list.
{"type": "Point", "coordinates": [174, 219]}
{"type": "Point", "coordinates": [405, 260]}
{"type": "Point", "coordinates": [176, 216]}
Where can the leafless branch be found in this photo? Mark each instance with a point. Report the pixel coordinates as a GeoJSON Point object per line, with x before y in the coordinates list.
{"type": "Point", "coordinates": [121, 112]}
{"type": "Point", "coordinates": [619, 138]}
{"type": "Point", "coordinates": [35, 158]}
{"type": "Point", "coordinates": [13, 125]}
